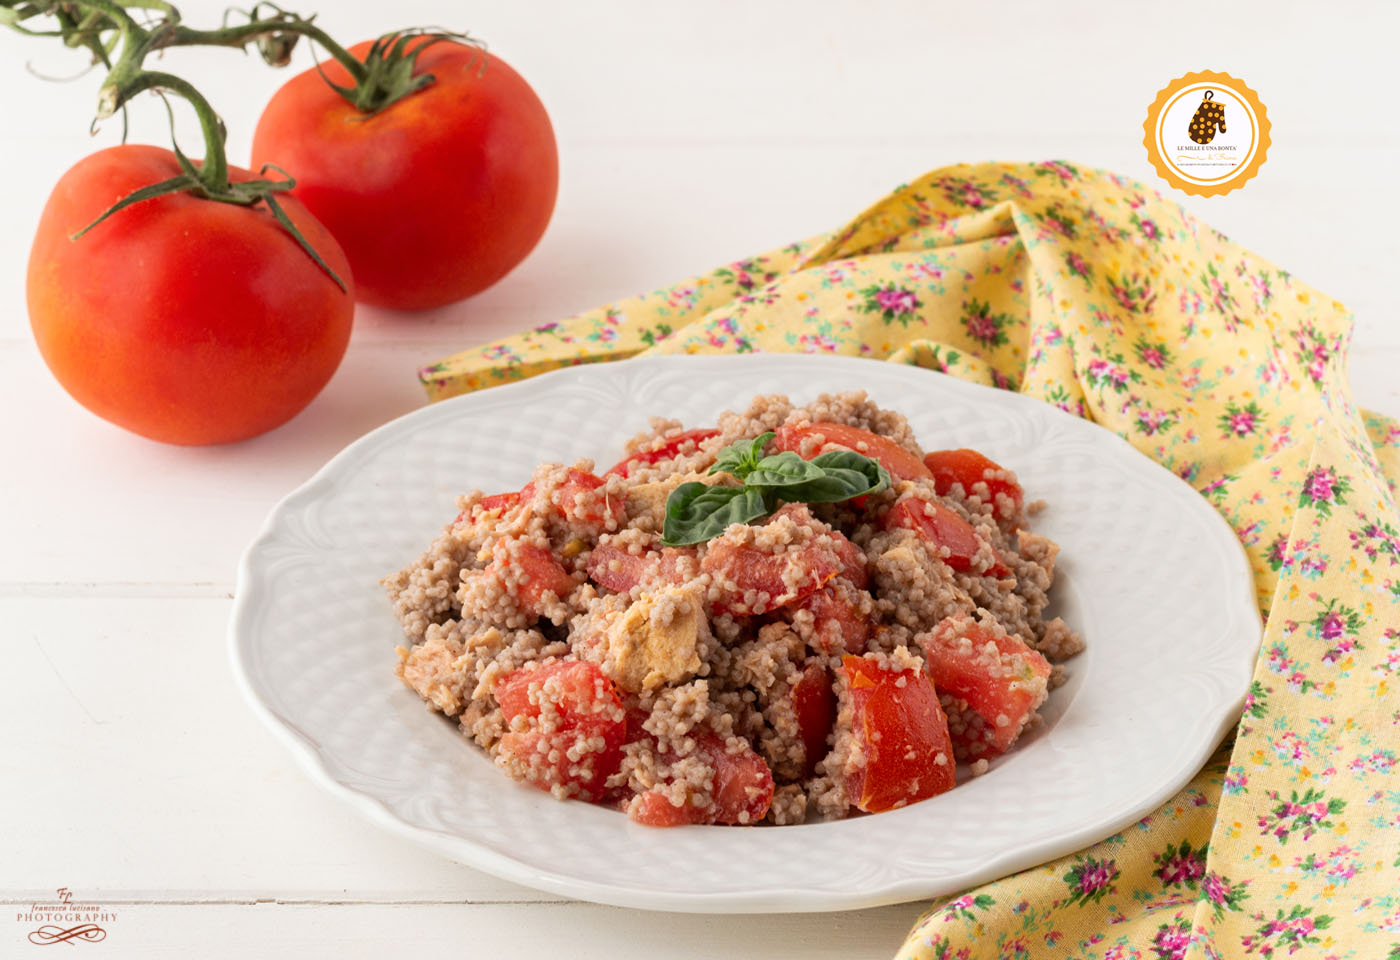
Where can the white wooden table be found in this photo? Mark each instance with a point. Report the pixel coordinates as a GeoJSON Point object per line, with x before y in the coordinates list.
{"type": "Point", "coordinates": [690, 134]}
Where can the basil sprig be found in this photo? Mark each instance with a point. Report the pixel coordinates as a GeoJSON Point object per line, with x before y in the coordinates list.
{"type": "Point", "coordinates": [696, 512]}
{"type": "Point", "coordinates": [742, 457]}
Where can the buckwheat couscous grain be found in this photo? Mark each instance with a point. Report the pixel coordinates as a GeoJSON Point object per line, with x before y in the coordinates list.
{"type": "Point", "coordinates": [714, 683]}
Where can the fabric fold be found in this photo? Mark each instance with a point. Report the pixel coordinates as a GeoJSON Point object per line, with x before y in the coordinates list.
{"type": "Point", "coordinates": [1098, 295]}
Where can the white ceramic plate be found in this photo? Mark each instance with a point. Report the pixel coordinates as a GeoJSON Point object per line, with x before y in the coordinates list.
{"type": "Point", "coordinates": [1149, 573]}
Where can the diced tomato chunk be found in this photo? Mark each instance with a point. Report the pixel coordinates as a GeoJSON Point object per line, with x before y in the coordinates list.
{"type": "Point", "coordinates": [901, 464]}
{"type": "Point", "coordinates": [617, 569]}
{"type": "Point", "coordinates": [667, 451]}
{"type": "Point", "coordinates": [620, 571]}
{"type": "Point", "coordinates": [742, 790]}
{"type": "Point", "coordinates": [836, 616]}
{"type": "Point", "coordinates": [671, 569]}
{"type": "Point", "coordinates": [580, 745]}
{"type": "Point", "coordinates": [968, 467]}
{"type": "Point", "coordinates": [1002, 680]}
{"type": "Point", "coordinates": [851, 556]}
{"type": "Point", "coordinates": [542, 574]}
{"type": "Point", "coordinates": [903, 736]}
{"type": "Point", "coordinates": [496, 502]}
{"type": "Point", "coordinates": [607, 513]}
{"type": "Point", "coordinates": [655, 809]}
{"type": "Point", "coordinates": [636, 730]}
{"type": "Point", "coordinates": [814, 702]}
{"type": "Point", "coordinates": [940, 526]}
{"type": "Point", "coordinates": [852, 560]}
{"type": "Point", "coordinates": [575, 683]}
{"type": "Point", "coordinates": [783, 577]}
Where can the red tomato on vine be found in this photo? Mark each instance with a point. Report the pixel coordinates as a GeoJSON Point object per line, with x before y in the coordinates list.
{"type": "Point", "coordinates": [178, 317]}
{"type": "Point", "coordinates": [437, 182]}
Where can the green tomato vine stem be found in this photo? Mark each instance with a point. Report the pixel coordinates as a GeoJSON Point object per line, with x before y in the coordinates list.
{"type": "Point", "coordinates": [258, 30]}
{"type": "Point", "coordinates": [116, 40]}
{"type": "Point", "coordinates": [213, 172]}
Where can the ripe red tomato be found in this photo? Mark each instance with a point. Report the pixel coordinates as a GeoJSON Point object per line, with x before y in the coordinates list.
{"type": "Point", "coordinates": [435, 197]}
{"type": "Point", "coordinates": [184, 320]}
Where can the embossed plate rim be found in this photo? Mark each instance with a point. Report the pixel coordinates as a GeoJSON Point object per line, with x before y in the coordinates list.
{"type": "Point", "coordinates": [747, 892]}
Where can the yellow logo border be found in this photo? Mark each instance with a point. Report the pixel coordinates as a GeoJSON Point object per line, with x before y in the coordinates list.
{"type": "Point", "coordinates": [1164, 169]}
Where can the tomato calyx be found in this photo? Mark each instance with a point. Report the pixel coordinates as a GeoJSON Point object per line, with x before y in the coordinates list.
{"type": "Point", "coordinates": [247, 193]}
{"type": "Point", "coordinates": [384, 77]}
{"type": "Point", "coordinates": [387, 71]}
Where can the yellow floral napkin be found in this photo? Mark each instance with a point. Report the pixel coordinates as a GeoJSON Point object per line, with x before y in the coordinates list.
{"type": "Point", "coordinates": [1096, 294]}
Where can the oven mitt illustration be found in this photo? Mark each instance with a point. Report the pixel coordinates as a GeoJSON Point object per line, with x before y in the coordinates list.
{"type": "Point", "coordinates": [1209, 115]}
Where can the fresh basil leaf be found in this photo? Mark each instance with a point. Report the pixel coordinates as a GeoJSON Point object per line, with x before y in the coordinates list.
{"type": "Point", "coordinates": [846, 474]}
{"type": "Point", "coordinates": [742, 457]}
{"type": "Point", "coordinates": [871, 469]}
{"type": "Point", "coordinates": [831, 488]}
{"type": "Point", "coordinates": [783, 470]}
{"type": "Point", "coordinates": [696, 512]}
